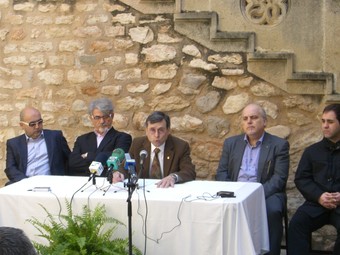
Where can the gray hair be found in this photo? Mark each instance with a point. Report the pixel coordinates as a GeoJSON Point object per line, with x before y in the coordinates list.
{"type": "Point", "coordinates": [102, 104]}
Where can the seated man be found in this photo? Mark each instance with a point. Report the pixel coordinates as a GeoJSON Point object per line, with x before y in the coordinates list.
{"type": "Point", "coordinates": [37, 152]}
{"type": "Point", "coordinates": [103, 140]}
{"type": "Point", "coordinates": [257, 156]}
{"type": "Point", "coordinates": [170, 156]}
{"type": "Point", "coordinates": [318, 179]}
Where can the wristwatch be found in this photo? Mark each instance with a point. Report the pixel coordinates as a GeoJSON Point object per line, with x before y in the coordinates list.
{"type": "Point", "coordinates": [175, 176]}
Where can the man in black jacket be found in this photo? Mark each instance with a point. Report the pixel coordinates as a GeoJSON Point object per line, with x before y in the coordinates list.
{"type": "Point", "coordinates": [103, 140]}
{"type": "Point", "coordinates": [318, 179]}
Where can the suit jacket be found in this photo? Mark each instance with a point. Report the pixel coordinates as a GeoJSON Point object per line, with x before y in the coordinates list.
{"type": "Point", "coordinates": [273, 165]}
{"type": "Point", "coordinates": [176, 158]}
{"type": "Point", "coordinates": [318, 172]}
{"type": "Point", "coordinates": [87, 143]}
{"type": "Point", "coordinates": [16, 159]}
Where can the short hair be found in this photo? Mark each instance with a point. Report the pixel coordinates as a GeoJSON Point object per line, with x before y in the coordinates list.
{"type": "Point", "coordinates": [13, 241]}
{"type": "Point", "coordinates": [335, 108]}
{"type": "Point", "coordinates": [102, 104]}
{"type": "Point", "coordinates": [158, 116]}
{"type": "Point", "coordinates": [260, 108]}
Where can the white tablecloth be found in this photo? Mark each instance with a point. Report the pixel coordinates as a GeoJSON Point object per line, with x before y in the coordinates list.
{"type": "Point", "coordinates": [233, 226]}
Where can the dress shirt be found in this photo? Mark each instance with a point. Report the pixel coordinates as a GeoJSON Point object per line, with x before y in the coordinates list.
{"type": "Point", "coordinates": [100, 137]}
{"type": "Point", "coordinates": [37, 157]}
{"type": "Point", "coordinates": [250, 160]}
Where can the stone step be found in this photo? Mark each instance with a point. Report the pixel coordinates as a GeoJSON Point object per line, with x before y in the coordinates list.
{"type": "Point", "coordinates": [202, 28]}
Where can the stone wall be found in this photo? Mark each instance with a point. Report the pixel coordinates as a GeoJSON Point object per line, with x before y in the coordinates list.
{"type": "Point", "coordinates": [58, 56]}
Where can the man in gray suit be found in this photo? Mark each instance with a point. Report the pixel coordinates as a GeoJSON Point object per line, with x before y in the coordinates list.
{"type": "Point", "coordinates": [257, 156]}
{"type": "Point", "coordinates": [175, 164]}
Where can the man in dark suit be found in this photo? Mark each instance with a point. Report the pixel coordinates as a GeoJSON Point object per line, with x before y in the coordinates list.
{"type": "Point", "coordinates": [175, 165]}
{"type": "Point", "coordinates": [37, 152]}
{"type": "Point", "coordinates": [257, 156]}
{"type": "Point", "coordinates": [102, 141]}
{"type": "Point", "coordinates": [318, 179]}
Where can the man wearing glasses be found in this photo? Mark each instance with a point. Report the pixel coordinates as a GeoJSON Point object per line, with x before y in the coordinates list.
{"type": "Point", "coordinates": [103, 140]}
{"type": "Point", "coordinates": [37, 152]}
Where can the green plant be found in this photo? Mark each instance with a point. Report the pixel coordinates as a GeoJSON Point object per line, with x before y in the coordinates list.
{"type": "Point", "coordinates": [80, 234]}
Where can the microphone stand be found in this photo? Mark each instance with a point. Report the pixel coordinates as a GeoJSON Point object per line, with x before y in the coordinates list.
{"type": "Point", "coordinates": [131, 184]}
{"type": "Point", "coordinates": [131, 188]}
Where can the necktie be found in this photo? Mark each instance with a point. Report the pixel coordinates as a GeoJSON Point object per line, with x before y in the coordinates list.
{"type": "Point", "coordinates": [155, 166]}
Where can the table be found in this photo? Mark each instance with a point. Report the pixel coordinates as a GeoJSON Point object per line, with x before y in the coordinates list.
{"type": "Point", "coordinates": [200, 225]}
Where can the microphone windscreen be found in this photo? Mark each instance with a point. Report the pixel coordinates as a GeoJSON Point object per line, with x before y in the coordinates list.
{"type": "Point", "coordinates": [143, 152]}
{"type": "Point", "coordinates": [119, 154]}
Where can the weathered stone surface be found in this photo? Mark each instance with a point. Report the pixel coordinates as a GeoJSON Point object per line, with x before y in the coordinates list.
{"type": "Point", "coordinates": [271, 109]}
{"type": "Point", "coordinates": [263, 89]}
{"type": "Point", "coordinates": [172, 103]}
{"type": "Point", "coordinates": [114, 31]}
{"type": "Point", "coordinates": [159, 53]}
{"type": "Point", "coordinates": [131, 58]}
{"type": "Point", "coordinates": [78, 76]}
{"type": "Point", "coordinates": [165, 38]}
{"type": "Point", "coordinates": [229, 58]}
{"type": "Point", "coordinates": [236, 103]}
{"type": "Point", "coordinates": [93, 31]}
{"type": "Point", "coordinates": [161, 88]}
{"type": "Point", "coordinates": [128, 74]}
{"type": "Point", "coordinates": [298, 118]}
{"type": "Point", "coordinates": [111, 90]}
{"type": "Point", "coordinates": [217, 127]}
{"type": "Point", "coordinates": [208, 102]}
{"type": "Point", "coordinates": [190, 83]}
{"type": "Point", "coordinates": [192, 50]}
{"type": "Point", "coordinates": [52, 76]}
{"type": "Point", "coordinates": [124, 18]}
{"type": "Point", "coordinates": [199, 63]}
{"type": "Point", "coordinates": [137, 88]}
{"type": "Point", "coordinates": [142, 35]}
{"type": "Point", "coordinates": [187, 123]}
{"type": "Point", "coordinates": [120, 121]}
{"type": "Point", "coordinates": [71, 45]}
{"type": "Point", "coordinates": [232, 71]}
{"type": "Point", "coordinates": [139, 120]}
{"type": "Point", "coordinates": [130, 103]}
{"type": "Point", "coordinates": [112, 61]}
{"type": "Point", "coordinates": [245, 82]}
{"type": "Point", "coordinates": [280, 131]}
{"type": "Point", "coordinates": [165, 72]}
{"type": "Point", "coordinates": [100, 46]}
{"type": "Point", "coordinates": [224, 83]}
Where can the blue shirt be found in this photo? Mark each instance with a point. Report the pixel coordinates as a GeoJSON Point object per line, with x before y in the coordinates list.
{"type": "Point", "coordinates": [250, 161]}
{"type": "Point", "coordinates": [37, 157]}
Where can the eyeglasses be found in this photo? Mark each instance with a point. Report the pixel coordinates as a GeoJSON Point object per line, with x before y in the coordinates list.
{"type": "Point", "coordinates": [33, 123]}
{"type": "Point", "coordinates": [105, 117]}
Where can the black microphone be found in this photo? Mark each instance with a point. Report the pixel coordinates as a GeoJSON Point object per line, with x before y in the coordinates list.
{"type": "Point", "coordinates": [130, 166]}
{"type": "Point", "coordinates": [143, 155]}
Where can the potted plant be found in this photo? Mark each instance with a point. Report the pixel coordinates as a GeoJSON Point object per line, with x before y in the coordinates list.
{"type": "Point", "coordinates": [80, 234]}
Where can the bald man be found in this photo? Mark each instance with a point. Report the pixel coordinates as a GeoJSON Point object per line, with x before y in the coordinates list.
{"type": "Point", "coordinates": [257, 156]}
{"type": "Point", "coordinates": [36, 152]}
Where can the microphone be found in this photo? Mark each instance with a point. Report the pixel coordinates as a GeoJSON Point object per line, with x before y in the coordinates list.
{"type": "Point", "coordinates": [113, 162]}
{"type": "Point", "coordinates": [96, 167]}
{"type": "Point", "coordinates": [130, 166]}
{"type": "Point", "coordinates": [143, 155]}
{"type": "Point", "coordinates": [115, 159]}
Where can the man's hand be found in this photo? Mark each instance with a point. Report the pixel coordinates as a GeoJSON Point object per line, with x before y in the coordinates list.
{"type": "Point", "coordinates": [166, 182]}
{"type": "Point", "coordinates": [117, 177]}
{"type": "Point", "coordinates": [330, 200]}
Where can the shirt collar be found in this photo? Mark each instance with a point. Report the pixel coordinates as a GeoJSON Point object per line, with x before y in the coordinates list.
{"type": "Point", "coordinates": [257, 143]}
{"type": "Point", "coordinates": [41, 136]}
